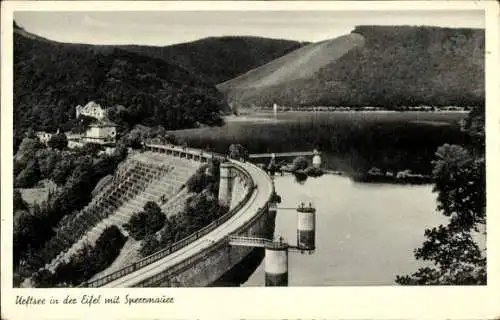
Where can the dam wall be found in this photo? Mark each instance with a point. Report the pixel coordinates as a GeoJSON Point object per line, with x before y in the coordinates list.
{"type": "Point", "coordinates": [241, 187]}
{"type": "Point", "coordinates": [205, 256]}
{"type": "Point", "coordinates": [208, 266]}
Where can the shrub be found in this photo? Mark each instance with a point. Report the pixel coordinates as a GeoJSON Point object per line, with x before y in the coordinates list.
{"type": "Point", "coordinates": [58, 141]}
{"type": "Point", "coordinates": [238, 152]}
{"type": "Point", "coordinates": [150, 245]}
{"type": "Point", "coordinates": [199, 211]}
{"type": "Point", "coordinates": [29, 176]}
{"type": "Point", "coordinates": [313, 172]}
{"type": "Point", "coordinates": [197, 182]}
{"type": "Point", "coordinates": [19, 203]}
{"type": "Point", "coordinates": [146, 222]}
{"type": "Point", "coordinates": [84, 172]}
{"type": "Point", "coordinates": [299, 163]}
{"type": "Point", "coordinates": [86, 263]}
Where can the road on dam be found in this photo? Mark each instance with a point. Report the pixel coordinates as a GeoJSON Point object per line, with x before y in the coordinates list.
{"type": "Point", "coordinates": [259, 198]}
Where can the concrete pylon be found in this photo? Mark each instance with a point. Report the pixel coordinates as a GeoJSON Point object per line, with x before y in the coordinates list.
{"type": "Point", "coordinates": [226, 184]}
{"type": "Point", "coordinates": [276, 266]}
{"type": "Point", "coordinates": [316, 160]}
{"type": "Point", "coordinates": [306, 227]}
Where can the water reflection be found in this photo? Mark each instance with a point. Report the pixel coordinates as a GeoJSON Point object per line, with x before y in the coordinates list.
{"type": "Point", "coordinates": [365, 233]}
{"type": "Point", "coordinates": [300, 177]}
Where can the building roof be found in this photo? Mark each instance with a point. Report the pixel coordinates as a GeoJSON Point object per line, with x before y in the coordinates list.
{"type": "Point", "coordinates": [91, 104]}
{"type": "Point", "coordinates": [103, 124]}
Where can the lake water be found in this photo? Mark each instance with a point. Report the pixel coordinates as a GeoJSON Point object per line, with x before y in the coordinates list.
{"type": "Point", "coordinates": [352, 142]}
{"type": "Point", "coordinates": [365, 233]}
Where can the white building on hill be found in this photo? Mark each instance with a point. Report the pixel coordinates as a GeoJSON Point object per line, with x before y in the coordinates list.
{"type": "Point", "coordinates": [102, 133]}
{"type": "Point", "coordinates": [92, 109]}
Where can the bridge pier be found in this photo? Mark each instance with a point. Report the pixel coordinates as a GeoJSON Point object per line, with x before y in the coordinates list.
{"type": "Point", "coordinates": [306, 227]}
{"type": "Point", "coordinates": [276, 266]}
{"type": "Point", "coordinates": [225, 184]}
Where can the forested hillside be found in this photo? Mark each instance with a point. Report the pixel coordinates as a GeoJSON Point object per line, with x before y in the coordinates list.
{"type": "Point", "coordinates": [51, 79]}
{"type": "Point", "coordinates": [217, 59]}
{"type": "Point", "coordinates": [394, 67]}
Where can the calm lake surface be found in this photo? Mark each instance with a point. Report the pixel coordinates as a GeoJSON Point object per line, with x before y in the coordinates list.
{"type": "Point", "coordinates": [365, 232]}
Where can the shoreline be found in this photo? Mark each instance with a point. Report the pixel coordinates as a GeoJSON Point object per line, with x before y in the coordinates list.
{"type": "Point", "coordinates": [262, 115]}
{"type": "Point", "coordinates": [270, 111]}
{"type": "Point", "coordinates": [414, 180]}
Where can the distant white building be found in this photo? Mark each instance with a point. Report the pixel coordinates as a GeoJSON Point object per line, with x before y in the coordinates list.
{"type": "Point", "coordinates": [75, 144]}
{"type": "Point", "coordinates": [92, 109]}
{"type": "Point", "coordinates": [102, 133]}
{"type": "Point", "coordinates": [108, 151]}
{"type": "Point", "coordinates": [44, 136]}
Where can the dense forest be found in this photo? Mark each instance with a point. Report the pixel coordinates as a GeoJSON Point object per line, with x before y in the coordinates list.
{"type": "Point", "coordinates": [454, 253]}
{"type": "Point", "coordinates": [217, 59]}
{"type": "Point", "coordinates": [396, 66]}
{"type": "Point", "coordinates": [76, 173]}
{"type": "Point", "coordinates": [51, 79]}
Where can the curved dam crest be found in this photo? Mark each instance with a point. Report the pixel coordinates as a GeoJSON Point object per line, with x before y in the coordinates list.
{"type": "Point", "coordinates": [203, 258]}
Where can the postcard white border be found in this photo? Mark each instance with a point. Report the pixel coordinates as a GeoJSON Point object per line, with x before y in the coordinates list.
{"type": "Point", "coordinates": [266, 303]}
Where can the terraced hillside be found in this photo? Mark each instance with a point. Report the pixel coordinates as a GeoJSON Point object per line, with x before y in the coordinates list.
{"type": "Point", "coordinates": [130, 252]}
{"type": "Point", "coordinates": [144, 177]}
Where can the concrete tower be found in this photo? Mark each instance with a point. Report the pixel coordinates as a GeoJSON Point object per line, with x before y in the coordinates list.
{"type": "Point", "coordinates": [225, 184]}
{"type": "Point", "coordinates": [306, 227]}
{"type": "Point", "coordinates": [276, 265]}
{"type": "Point", "coordinates": [316, 161]}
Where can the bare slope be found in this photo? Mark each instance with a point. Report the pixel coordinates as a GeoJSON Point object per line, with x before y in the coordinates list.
{"type": "Point", "coordinates": [301, 63]}
{"type": "Point", "coordinates": [374, 65]}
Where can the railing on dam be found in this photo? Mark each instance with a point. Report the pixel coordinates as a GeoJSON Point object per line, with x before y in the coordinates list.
{"type": "Point", "coordinates": [183, 242]}
{"type": "Point", "coordinates": [282, 154]}
{"type": "Point", "coordinates": [165, 276]}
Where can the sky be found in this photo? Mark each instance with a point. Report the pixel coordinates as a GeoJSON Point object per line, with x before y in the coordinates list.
{"type": "Point", "coordinates": [170, 27]}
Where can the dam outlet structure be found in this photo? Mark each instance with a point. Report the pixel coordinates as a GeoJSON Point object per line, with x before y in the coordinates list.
{"type": "Point", "coordinates": [316, 160]}
{"type": "Point", "coordinates": [306, 227]}
{"type": "Point", "coordinates": [276, 265]}
{"type": "Point", "coordinates": [276, 252]}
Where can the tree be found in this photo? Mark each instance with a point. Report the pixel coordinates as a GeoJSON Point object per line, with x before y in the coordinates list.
{"type": "Point", "coordinates": [43, 279]}
{"type": "Point", "coordinates": [238, 152]}
{"type": "Point", "coordinates": [58, 141]}
{"type": "Point", "coordinates": [170, 138]}
{"type": "Point", "coordinates": [28, 148]}
{"type": "Point", "coordinates": [197, 182]}
{"type": "Point", "coordinates": [459, 179]}
{"type": "Point", "coordinates": [18, 201]}
{"type": "Point", "coordinates": [29, 176]}
{"type": "Point", "coordinates": [150, 245]}
{"type": "Point", "coordinates": [108, 245]}
{"type": "Point", "coordinates": [47, 161]}
{"type": "Point", "coordinates": [25, 233]}
{"type": "Point", "coordinates": [62, 171]}
{"type": "Point", "coordinates": [146, 222]}
{"type": "Point", "coordinates": [299, 163]}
